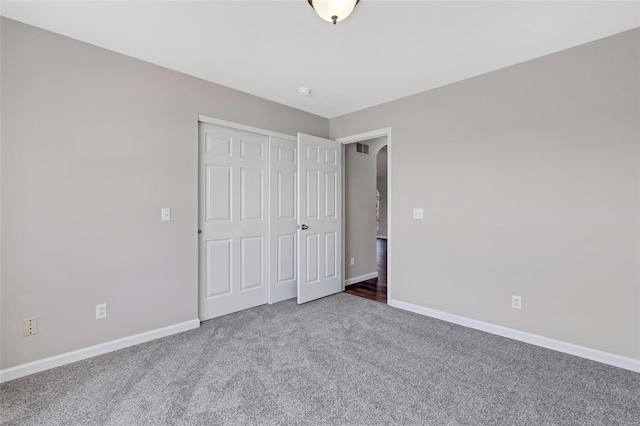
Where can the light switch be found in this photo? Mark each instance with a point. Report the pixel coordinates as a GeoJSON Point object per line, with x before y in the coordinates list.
{"type": "Point", "coordinates": [418, 213]}
{"type": "Point", "coordinates": [165, 214]}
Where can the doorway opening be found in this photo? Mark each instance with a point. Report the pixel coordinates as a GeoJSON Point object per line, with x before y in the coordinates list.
{"type": "Point", "coordinates": [365, 227]}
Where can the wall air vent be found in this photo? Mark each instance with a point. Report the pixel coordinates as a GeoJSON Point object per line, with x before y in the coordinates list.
{"type": "Point", "coordinates": [362, 148]}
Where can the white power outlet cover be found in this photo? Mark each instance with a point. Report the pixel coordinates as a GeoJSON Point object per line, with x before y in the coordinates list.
{"type": "Point", "coordinates": [516, 302]}
{"type": "Point", "coordinates": [101, 311]}
{"type": "Point", "coordinates": [30, 326]}
{"type": "Point", "coordinates": [353, 261]}
{"type": "Point", "coordinates": [165, 214]}
{"type": "Point", "coordinates": [418, 213]}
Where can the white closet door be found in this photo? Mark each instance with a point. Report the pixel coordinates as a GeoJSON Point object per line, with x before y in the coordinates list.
{"type": "Point", "coordinates": [320, 213]}
{"type": "Point", "coordinates": [233, 219]}
{"type": "Point", "coordinates": [283, 220]}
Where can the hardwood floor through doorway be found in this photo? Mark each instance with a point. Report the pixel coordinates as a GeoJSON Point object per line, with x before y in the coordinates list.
{"type": "Point", "coordinates": [375, 288]}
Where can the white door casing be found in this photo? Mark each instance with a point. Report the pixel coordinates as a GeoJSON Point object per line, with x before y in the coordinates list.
{"type": "Point", "coordinates": [233, 218]}
{"type": "Point", "coordinates": [283, 219]}
{"type": "Point", "coordinates": [320, 217]}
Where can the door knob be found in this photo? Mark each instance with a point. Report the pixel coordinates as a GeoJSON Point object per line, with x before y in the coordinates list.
{"type": "Point", "coordinates": [303, 227]}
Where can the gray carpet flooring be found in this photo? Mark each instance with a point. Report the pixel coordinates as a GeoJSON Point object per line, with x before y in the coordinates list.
{"type": "Point", "coordinates": [342, 360]}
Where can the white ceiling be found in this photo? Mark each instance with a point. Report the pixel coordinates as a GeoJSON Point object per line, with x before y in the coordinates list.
{"type": "Point", "coordinates": [385, 50]}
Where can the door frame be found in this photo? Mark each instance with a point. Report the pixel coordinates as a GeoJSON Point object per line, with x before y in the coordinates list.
{"type": "Point", "coordinates": [359, 137]}
{"type": "Point", "coordinates": [237, 126]}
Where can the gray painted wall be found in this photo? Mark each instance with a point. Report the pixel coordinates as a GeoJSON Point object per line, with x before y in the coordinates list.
{"type": "Point", "coordinates": [529, 180]}
{"type": "Point", "coordinates": [94, 143]}
{"type": "Point", "coordinates": [360, 208]}
{"type": "Point", "coordinates": [381, 172]}
{"type": "Point", "coordinates": [381, 183]}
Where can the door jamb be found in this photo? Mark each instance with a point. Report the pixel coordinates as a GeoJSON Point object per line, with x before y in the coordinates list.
{"type": "Point", "coordinates": [358, 138]}
{"type": "Point", "coordinates": [238, 126]}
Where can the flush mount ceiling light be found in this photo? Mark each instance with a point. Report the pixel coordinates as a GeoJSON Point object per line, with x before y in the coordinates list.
{"type": "Point", "coordinates": [333, 10]}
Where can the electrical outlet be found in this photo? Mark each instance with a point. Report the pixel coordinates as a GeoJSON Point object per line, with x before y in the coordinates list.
{"type": "Point", "coordinates": [353, 261]}
{"type": "Point", "coordinates": [101, 311]}
{"type": "Point", "coordinates": [418, 213]}
{"type": "Point", "coordinates": [30, 326]}
{"type": "Point", "coordinates": [516, 302]}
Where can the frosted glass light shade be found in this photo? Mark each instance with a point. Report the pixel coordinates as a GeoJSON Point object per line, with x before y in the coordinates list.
{"type": "Point", "coordinates": [333, 10]}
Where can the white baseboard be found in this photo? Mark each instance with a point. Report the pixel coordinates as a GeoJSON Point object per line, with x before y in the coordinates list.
{"type": "Point", "coordinates": [382, 237]}
{"type": "Point", "coordinates": [361, 278]}
{"type": "Point", "coordinates": [91, 351]}
{"type": "Point", "coordinates": [534, 339]}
